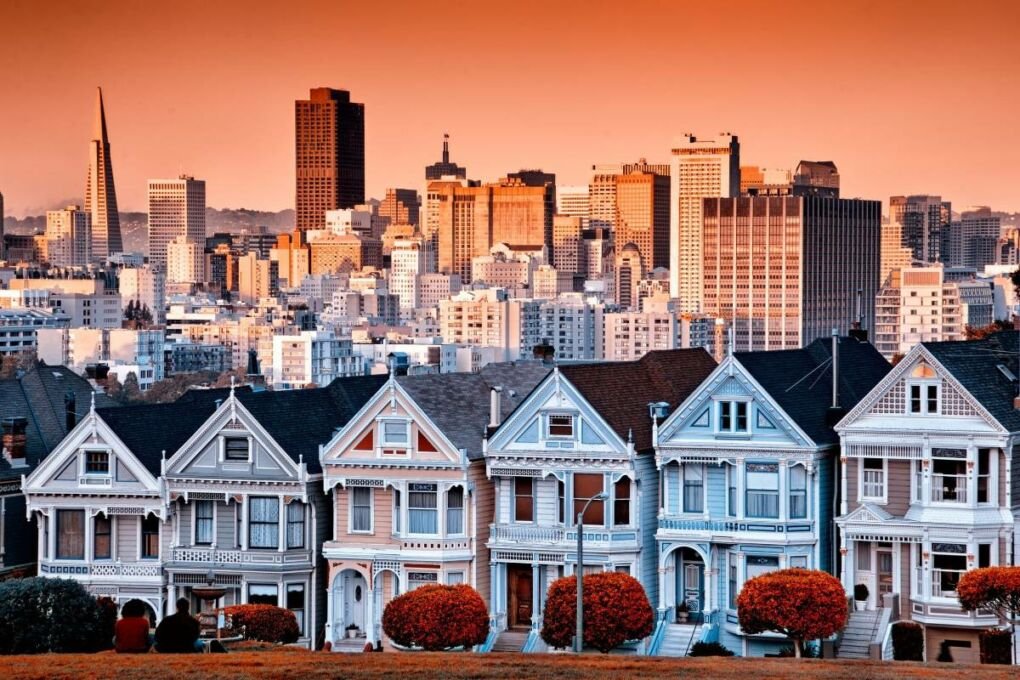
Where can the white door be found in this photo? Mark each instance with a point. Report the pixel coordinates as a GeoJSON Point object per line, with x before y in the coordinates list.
{"type": "Point", "coordinates": [355, 595]}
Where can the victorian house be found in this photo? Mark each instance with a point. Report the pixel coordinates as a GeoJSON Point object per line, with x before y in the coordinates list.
{"type": "Point", "coordinates": [927, 460]}
{"type": "Point", "coordinates": [580, 442]}
{"type": "Point", "coordinates": [747, 470]}
{"type": "Point", "coordinates": [411, 502]}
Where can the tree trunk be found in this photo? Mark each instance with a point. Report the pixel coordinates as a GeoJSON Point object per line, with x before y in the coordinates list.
{"type": "Point", "coordinates": [796, 648]}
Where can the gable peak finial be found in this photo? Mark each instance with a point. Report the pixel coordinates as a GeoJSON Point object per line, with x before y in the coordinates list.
{"type": "Point", "coordinates": [92, 406]}
{"type": "Point", "coordinates": [232, 385]}
{"type": "Point", "coordinates": [630, 435]}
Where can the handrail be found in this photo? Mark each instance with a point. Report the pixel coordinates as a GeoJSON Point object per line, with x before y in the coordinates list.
{"type": "Point", "coordinates": [657, 635]}
{"type": "Point", "coordinates": [887, 649]}
{"type": "Point", "coordinates": [881, 632]}
{"type": "Point", "coordinates": [690, 641]}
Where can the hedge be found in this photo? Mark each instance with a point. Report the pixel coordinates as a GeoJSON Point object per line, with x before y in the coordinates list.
{"type": "Point", "coordinates": [996, 646]}
{"type": "Point", "coordinates": [907, 641]}
{"type": "Point", "coordinates": [264, 622]}
{"type": "Point", "coordinates": [437, 617]}
{"type": "Point", "coordinates": [709, 649]}
{"type": "Point", "coordinates": [39, 615]}
{"type": "Point", "coordinates": [616, 609]}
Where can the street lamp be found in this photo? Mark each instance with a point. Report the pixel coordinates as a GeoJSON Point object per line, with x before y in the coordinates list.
{"type": "Point", "coordinates": [579, 640]}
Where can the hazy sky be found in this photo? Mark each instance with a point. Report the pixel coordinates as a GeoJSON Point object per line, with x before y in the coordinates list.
{"type": "Point", "coordinates": [906, 97]}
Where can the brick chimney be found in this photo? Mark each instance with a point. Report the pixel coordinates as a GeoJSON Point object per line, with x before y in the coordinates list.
{"type": "Point", "coordinates": [13, 441]}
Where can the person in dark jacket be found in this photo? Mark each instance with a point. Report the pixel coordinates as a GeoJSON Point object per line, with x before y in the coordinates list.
{"type": "Point", "coordinates": [178, 633]}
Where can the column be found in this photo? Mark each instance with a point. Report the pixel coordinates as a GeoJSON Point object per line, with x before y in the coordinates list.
{"type": "Point", "coordinates": [244, 530]}
{"type": "Point", "coordinates": [441, 491]}
{"type": "Point", "coordinates": [41, 535]}
{"type": "Point", "coordinates": [926, 569]}
{"type": "Point", "coordinates": [52, 519]}
{"type": "Point", "coordinates": [536, 597]}
{"type": "Point", "coordinates": [741, 487]}
{"type": "Point", "coordinates": [171, 602]}
{"type": "Point", "coordinates": [282, 526]}
{"type": "Point", "coordinates": [370, 614]}
{"type": "Point", "coordinates": [493, 589]}
{"type": "Point", "coordinates": [926, 474]}
{"type": "Point", "coordinates": [784, 499]}
{"type": "Point", "coordinates": [662, 590]}
{"type": "Point", "coordinates": [849, 565]}
{"type": "Point", "coordinates": [329, 607]}
{"type": "Point", "coordinates": [844, 502]}
{"type": "Point", "coordinates": [89, 528]}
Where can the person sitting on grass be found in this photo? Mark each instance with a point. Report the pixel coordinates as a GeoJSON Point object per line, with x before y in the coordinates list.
{"type": "Point", "coordinates": [131, 632]}
{"type": "Point", "coordinates": [178, 633]}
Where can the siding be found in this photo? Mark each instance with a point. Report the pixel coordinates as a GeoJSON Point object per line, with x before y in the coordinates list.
{"type": "Point", "coordinates": [484, 500]}
{"type": "Point", "coordinates": [851, 483]}
{"type": "Point", "coordinates": [715, 490]}
{"type": "Point", "coordinates": [548, 498]}
{"type": "Point", "coordinates": [898, 491]}
{"type": "Point", "coordinates": [672, 488]}
{"type": "Point", "coordinates": [906, 569]}
{"type": "Point", "coordinates": [127, 538]}
{"type": "Point", "coordinates": [184, 514]}
{"type": "Point", "coordinates": [506, 498]}
{"type": "Point", "coordinates": [225, 524]}
{"type": "Point", "coordinates": [648, 510]}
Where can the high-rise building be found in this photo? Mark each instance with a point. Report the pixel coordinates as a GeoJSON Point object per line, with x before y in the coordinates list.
{"type": "Point", "coordinates": [330, 155]}
{"type": "Point", "coordinates": [816, 178]}
{"type": "Point", "coordinates": [401, 206]}
{"type": "Point", "coordinates": [602, 196]}
{"type": "Point", "coordinates": [100, 194]}
{"type": "Point", "coordinates": [699, 169]}
{"type": "Point", "coordinates": [756, 181]}
{"type": "Point", "coordinates": [145, 287]}
{"type": "Point", "coordinates": [567, 250]}
{"type": "Point", "coordinates": [408, 259]}
{"type": "Point", "coordinates": [176, 209]}
{"type": "Point", "coordinates": [350, 252]}
{"type": "Point", "coordinates": [974, 239]}
{"type": "Point", "coordinates": [293, 258]}
{"type": "Point", "coordinates": [786, 270]}
{"type": "Point", "coordinates": [596, 249]}
{"type": "Point", "coordinates": [3, 255]}
{"type": "Point", "coordinates": [69, 237]}
{"type": "Point", "coordinates": [917, 305]}
{"type": "Point", "coordinates": [572, 201]}
{"type": "Point", "coordinates": [923, 222]}
{"type": "Point", "coordinates": [642, 216]}
{"type": "Point", "coordinates": [445, 168]}
{"type": "Point", "coordinates": [629, 270]}
{"type": "Point", "coordinates": [257, 278]}
{"type": "Point", "coordinates": [185, 261]}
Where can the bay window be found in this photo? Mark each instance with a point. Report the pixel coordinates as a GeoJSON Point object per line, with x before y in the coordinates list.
{"type": "Point", "coordinates": [150, 537]}
{"type": "Point", "coordinates": [561, 495]}
{"type": "Point", "coordinates": [798, 492]}
{"type": "Point", "coordinates": [949, 563]}
{"type": "Point", "coordinates": [101, 533]}
{"type": "Point", "coordinates": [760, 564]}
{"type": "Point", "coordinates": [397, 519]}
{"type": "Point", "coordinates": [263, 522]}
{"type": "Point", "coordinates": [983, 476]}
{"type": "Point", "coordinates": [762, 499]}
{"type": "Point", "coordinates": [524, 499]}
{"type": "Point", "coordinates": [731, 491]}
{"type": "Point", "coordinates": [296, 603]}
{"type": "Point", "coordinates": [586, 487]}
{"type": "Point", "coordinates": [873, 478]}
{"type": "Point", "coordinates": [949, 475]}
{"type": "Point", "coordinates": [70, 534]}
{"type": "Point", "coordinates": [263, 594]}
{"type": "Point", "coordinates": [455, 510]}
{"type": "Point", "coordinates": [296, 525]}
{"type": "Point", "coordinates": [422, 509]}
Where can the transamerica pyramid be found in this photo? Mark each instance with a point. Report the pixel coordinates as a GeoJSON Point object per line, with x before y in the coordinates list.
{"type": "Point", "coordinates": [100, 194]}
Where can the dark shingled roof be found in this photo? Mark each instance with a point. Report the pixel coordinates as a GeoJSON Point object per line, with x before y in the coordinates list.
{"type": "Point", "coordinates": [38, 396]}
{"type": "Point", "coordinates": [975, 365]}
{"type": "Point", "coordinates": [149, 430]}
{"type": "Point", "coordinates": [800, 380]}
{"type": "Point", "coordinates": [621, 391]}
{"type": "Point", "coordinates": [458, 403]}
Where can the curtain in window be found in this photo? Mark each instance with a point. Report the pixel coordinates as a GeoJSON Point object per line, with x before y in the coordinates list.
{"type": "Point", "coordinates": [455, 511]}
{"type": "Point", "coordinates": [263, 522]}
{"type": "Point", "coordinates": [296, 603]}
{"type": "Point", "coordinates": [762, 490]}
{"type": "Point", "coordinates": [70, 534]}
{"type": "Point", "coordinates": [798, 492]}
{"type": "Point", "coordinates": [422, 509]}
{"type": "Point", "coordinates": [296, 525]}
{"type": "Point", "coordinates": [694, 486]}
{"type": "Point", "coordinates": [203, 522]}
{"type": "Point", "coordinates": [361, 508]}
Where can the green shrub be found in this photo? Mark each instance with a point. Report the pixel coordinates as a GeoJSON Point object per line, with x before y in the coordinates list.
{"type": "Point", "coordinates": [709, 649]}
{"type": "Point", "coordinates": [39, 615]}
{"type": "Point", "coordinates": [908, 641]}
{"type": "Point", "coordinates": [996, 646]}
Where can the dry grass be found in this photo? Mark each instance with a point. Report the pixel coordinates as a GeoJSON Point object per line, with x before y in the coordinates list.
{"type": "Point", "coordinates": [309, 665]}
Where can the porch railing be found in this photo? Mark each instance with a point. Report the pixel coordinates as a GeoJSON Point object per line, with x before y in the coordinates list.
{"type": "Point", "coordinates": [518, 534]}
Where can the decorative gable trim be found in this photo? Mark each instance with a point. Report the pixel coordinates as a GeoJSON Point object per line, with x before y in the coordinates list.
{"type": "Point", "coordinates": [867, 513]}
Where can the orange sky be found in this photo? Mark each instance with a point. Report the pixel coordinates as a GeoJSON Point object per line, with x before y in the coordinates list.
{"type": "Point", "coordinates": [907, 97]}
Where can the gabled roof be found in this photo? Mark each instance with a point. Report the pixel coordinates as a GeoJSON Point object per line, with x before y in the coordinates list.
{"type": "Point", "coordinates": [975, 365]}
{"type": "Point", "coordinates": [150, 430]}
{"type": "Point", "coordinates": [458, 403]}
{"type": "Point", "coordinates": [38, 396]}
{"type": "Point", "coordinates": [800, 380]}
{"type": "Point", "coordinates": [621, 390]}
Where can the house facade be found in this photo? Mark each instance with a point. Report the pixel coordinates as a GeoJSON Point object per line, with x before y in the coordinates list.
{"type": "Point", "coordinates": [746, 468]}
{"type": "Point", "coordinates": [411, 503]}
{"type": "Point", "coordinates": [927, 470]}
{"type": "Point", "coordinates": [583, 432]}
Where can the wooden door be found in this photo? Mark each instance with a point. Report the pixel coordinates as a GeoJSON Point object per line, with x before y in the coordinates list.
{"type": "Point", "coordinates": [520, 596]}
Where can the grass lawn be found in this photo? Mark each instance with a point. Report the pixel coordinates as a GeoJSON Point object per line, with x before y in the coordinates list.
{"type": "Point", "coordinates": [306, 665]}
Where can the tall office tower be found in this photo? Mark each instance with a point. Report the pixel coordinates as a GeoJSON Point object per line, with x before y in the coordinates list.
{"type": "Point", "coordinates": [596, 251]}
{"type": "Point", "coordinates": [924, 225]}
{"type": "Point", "coordinates": [330, 155]}
{"type": "Point", "coordinates": [100, 194]}
{"type": "Point", "coordinates": [176, 209]}
{"type": "Point", "coordinates": [784, 271]}
{"type": "Point", "coordinates": [408, 260]}
{"type": "Point", "coordinates": [699, 169]}
{"type": "Point", "coordinates": [401, 206]}
{"type": "Point", "coordinates": [445, 168]}
{"type": "Point", "coordinates": [546, 180]}
{"type": "Point", "coordinates": [602, 196]}
{"type": "Point", "coordinates": [573, 201]}
{"type": "Point", "coordinates": [642, 216]}
{"type": "Point", "coordinates": [69, 237]}
{"type": "Point", "coordinates": [629, 270]}
{"type": "Point", "coordinates": [567, 249]}
{"type": "Point", "coordinates": [895, 255]}
{"type": "Point", "coordinates": [974, 239]}
{"type": "Point", "coordinates": [816, 178]}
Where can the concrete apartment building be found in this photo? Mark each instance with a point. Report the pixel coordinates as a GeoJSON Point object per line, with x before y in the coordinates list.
{"type": "Point", "coordinates": [917, 305]}
{"type": "Point", "coordinates": [176, 211]}
{"type": "Point", "coordinates": [146, 287]}
{"type": "Point", "coordinates": [486, 318]}
{"type": "Point", "coordinates": [923, 222]}
{"type": "Point", "coordinates": [69, 237]}
{"type": "Point", "coordinates": [312, 358]}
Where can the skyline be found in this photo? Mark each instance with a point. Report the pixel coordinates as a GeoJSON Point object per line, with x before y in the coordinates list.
{"type": "Point", "coordinates": [222, 103]}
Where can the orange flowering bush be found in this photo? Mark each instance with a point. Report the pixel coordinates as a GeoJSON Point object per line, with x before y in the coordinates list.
{"type": "Point", "coordinates": [437, 617]}
{"type": "Point", "coordinates": [802, 604]}
{"type": "Point", "coordinates": [263, 622]}
{"type": "Point", "coordinates": [616, 609]}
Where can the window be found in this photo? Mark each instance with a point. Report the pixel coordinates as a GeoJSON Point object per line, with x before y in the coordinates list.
{"type": "Point", "coordinates": [863, 556]}
{"type": "Point", "coordinates": [454, 578]}
{"type": "Point", "coordinates": [421, 509]}
{"type": "Point", "coordinates": [949, 476]}
{"type": "Point", "coordinates": [524, 499]}
{"type": "Point", "coordinates": [561, 491]}
{"type": "Point", "coordinates": [621, 503]}
{"type": "Point", "coordinates": [732, 579]}
{"type": "Point", "coordinates": [798, 492]}
{"type": "Point", "coordinates": [97, 463]}
{"type": "Point", "coordinates": [150, 537]}
{"type": "Point", "coordinates": [561, 426]}
{"type": "Point", "coordinates": [455, 510]}
{"type": "Point", "coordinates": [873, 478]}
{"type": "Point", "coordinates": [924, 398]}
{"type": "Point", "coordinates": [236, 448]}
{"type": "Point", "coordinates": [984, 555]}
{"type": "Point", "coordinates": [203, 522]}
{"type": "Point", "coordinates": [417, 579]}
{"type": "Point", "coordinates": [587, 486]}
{"type": "Point", "coordinates": [263, 594]}
{"type": "Point", "coordinates": [947, 568]}
{"type": "Point", "coordinates": [296, 603]}
{"type": "Point", "coordinates": [694, 487]}
{"type": "Point", "coordinates": [101, 547]}
{"type": "Point", "coordinates": [263, 522]}
{"type": "Point", "coordinates": [296, 525]}
{"type": "Point", "coordinates": [760, 564]}
{"type": "Point", "coordinates": [397, 519]}
{"type": "Point", "coordinates": [799, 562]}
{"type": "Point", "coordinates": [396, 433]}
{"type": "Point", "coordinates": [731, 491]}
{"type": "Point", "coordinates": [984, 471]}
{"type": "Point", "coordinates": [762, 490]}
{"type": "Point", "coordinates": [361, 509]}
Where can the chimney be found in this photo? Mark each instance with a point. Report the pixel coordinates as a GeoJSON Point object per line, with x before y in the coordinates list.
{"type": "Point", "coordinates": [495, 406]}
{"type": "Point", "coordinates": [12, 440]}
{"type": "Point", "coordinates": [70, 415]}
{"type": "Point", "coordinates": [857, 330]}
{"type": "Point", "coordinates": [835, 412]}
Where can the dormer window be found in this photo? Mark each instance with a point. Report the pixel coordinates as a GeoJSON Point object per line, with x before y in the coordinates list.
{"type": "Point", "coordinates": [97, 463]}
{"type": "Point", "coordinates": [733, 416]}
{"type": "Point", "coordinates": [396, 433]}
{"type": "Point", "coordinates": [923, 390]}
{"type": "Point", "coordinates": [236, 449]}
{"type": "Point", "coordinates": [561, 425]}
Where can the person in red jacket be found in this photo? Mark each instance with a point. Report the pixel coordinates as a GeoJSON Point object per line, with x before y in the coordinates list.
{"type": "Point", "coordinates": [131, 632]}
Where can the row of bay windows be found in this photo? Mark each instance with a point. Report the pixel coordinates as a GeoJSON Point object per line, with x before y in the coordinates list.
{"type": "Point", "coordinates": [267, 516]}
{"type": "Point", "coordinates": [949, 481]}
{"type": "Point", "coordinates": [423, 515]}
{"type": "Point", "coordinates": [754, 490]}
{"type": "Point", "coordinates": [70, 534]}
{"type": "Point", "coordinates": [585, 486]}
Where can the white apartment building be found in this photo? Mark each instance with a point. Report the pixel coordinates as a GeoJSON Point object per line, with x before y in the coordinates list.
{"type": "Point", "coordinates": [486, 318]}
{"type": "Point", "coordinates": [185, 261]}
{"type": "Point", "coordinates": [573, 201]}
{"type": "Point", "coordinates": [409, 258]}
{"type": "Point", "coordinates": [568, 323]}
{"type": "Point", "coordinates": [432, 288]}
{"type": "Point", "coordinates": [348, 221]}
{"type": "Point", "coordinates": [69, 237]}
{"type": "Point", "coordinates": [147, 287]}
{"type": "Point", "coordinates": [419, 357]}
{"type": "Point", "coordinates": [627, 336]}
{"type": "Point", "coordinates": [312, 358]}
{"type": "Point", "coordinates": [18, 328]}
{"type": "Point", "coordinates": [176, 208]}
{"type": "Point", "coordinates": [917, 305]}
{"type": "Point", "coordinates": [78, 347]}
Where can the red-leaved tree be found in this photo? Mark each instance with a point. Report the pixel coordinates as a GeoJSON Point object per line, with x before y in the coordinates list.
{"type": "Point", "coordinates": [616, 609]}
{"type": "Point", "coordinates": [995, 588]}
{"type": "Point", "coordinates": [802, 604]}
{"type": "Point", "coordinates": [264, 622]}
{"type": "Point", "coordinates": [437, 617]}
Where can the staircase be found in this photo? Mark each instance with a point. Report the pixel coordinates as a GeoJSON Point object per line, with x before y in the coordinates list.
{"type": "Point", "coordinates": [510, 641]}
{"type": "Point", "coordinates": [350, 645]}
{"type": "Point", "coordinates": [858, 635]}
{"type": "Point", "coordinates": [678, 639]}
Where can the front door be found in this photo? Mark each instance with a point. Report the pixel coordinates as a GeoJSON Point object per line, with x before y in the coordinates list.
{"type": "Point", "coordinates": [355, 592]}
{"type": "Point", "coordinates": [883, 563]}
{"type": "Point", "coordinates": [519, 595]}
{"type": "Point", "coordinates": [690, 586]}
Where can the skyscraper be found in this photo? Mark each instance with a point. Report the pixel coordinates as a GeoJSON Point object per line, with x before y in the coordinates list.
{"type": "Point", "coordinates": [924, 225]}
{"type": "Point", "coordinates": [445, 168]}
{"type": "Point", "coordinates": [100, 194]}
{"type": "Point", "coordinates": [974, 240]}
{"type": "Point", "coordinates": [573, 201]}
{"type": "Point", "coordinates": [329, 153]}
{"type": "Point", "coordinates": [699, 169]}
{"type": "Point", "coordinates": [401, 206]}
{"type": "Point", "coordinates": [69, 237]}
{"type": "Point", "coordinates": [642, 216]}
{"type": "Point", "coordinates": [176, 209]}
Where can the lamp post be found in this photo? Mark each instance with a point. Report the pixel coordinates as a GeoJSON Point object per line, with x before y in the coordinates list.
{"type": "Point", "coordinates": [579, 639]}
